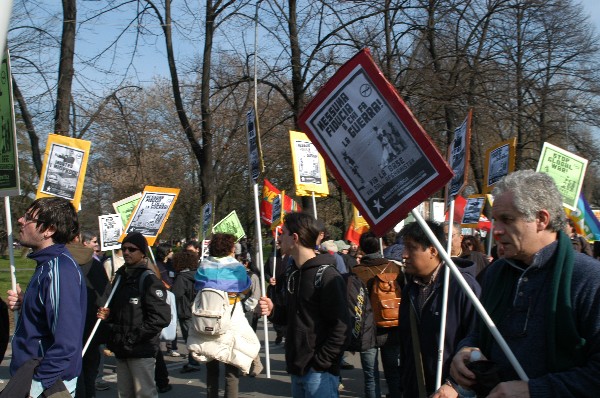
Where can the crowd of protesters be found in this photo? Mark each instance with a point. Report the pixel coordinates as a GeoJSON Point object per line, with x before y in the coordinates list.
{"type": "Point", "coordinates": [541, 288]}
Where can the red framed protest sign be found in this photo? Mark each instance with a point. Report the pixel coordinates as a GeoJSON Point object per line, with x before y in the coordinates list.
{"type": "Point", "coordinates": [372, 143]}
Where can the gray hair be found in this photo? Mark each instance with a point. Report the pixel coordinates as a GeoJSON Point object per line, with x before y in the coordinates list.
{"type": "Point", "coordinates": [532, 192]}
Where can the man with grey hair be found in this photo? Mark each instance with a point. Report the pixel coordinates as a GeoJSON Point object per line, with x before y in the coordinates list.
{"type": "Point", "coordinates": [542, 296]}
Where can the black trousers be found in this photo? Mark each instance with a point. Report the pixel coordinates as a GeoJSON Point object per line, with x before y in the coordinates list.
{"type": "Point", "coordinates": [161, 374]}
{"type": "Point", "coordinates": [86, 383]}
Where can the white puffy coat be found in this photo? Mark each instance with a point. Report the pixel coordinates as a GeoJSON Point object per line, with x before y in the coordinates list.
{"type": "Point", "coordinates": [238, 346]}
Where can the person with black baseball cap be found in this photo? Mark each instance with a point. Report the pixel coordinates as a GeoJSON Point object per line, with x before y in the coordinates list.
{"type": "Point", "coordinates": [135, 317]}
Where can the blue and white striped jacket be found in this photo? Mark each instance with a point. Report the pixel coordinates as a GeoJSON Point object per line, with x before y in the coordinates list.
{"type": "Point", "coordinates": [52, 317]}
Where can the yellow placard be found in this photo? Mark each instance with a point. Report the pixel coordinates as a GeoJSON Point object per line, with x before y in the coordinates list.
{"type": "Point", "coordinates": [357, 219]}
{"type": "Point", "coordinates": [152, 212]}
{"type": "Point", "coordinates": [499, 162]}
{"type": "Point", "coordinates": [63, 170]}
{"type": "Point", "coordinates": [277, 213]}
{"type": "Point", "coordinates": [309, 167]}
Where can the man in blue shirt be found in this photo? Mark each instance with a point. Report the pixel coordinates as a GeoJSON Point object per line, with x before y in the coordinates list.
{"type": "Point", "coordinates": [53, 307]}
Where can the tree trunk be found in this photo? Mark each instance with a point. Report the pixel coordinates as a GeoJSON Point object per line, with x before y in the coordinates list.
{"type": "Point", "coordinates": [65, 68]}
{"type": "Point", "coordinates": [206, 162]}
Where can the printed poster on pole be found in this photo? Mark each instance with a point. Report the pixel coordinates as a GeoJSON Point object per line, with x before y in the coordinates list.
{"type": "Point", "coordinates": [277, 211]}
{"type": "Point", "coordinates": [474, 209]}
{"type": "Point", "coordinates": [206, 221]}
{"type": "Point", "coordinates": [124, 207]}
{"type": "Point", "coordinates": [499, 161]}
{"type": "Point", "coordinates": [255, 160]}
{"type": "Point", "coordinates": [152, 212]}
{"type": "Point", "coordinates": [63, 170]}
{"type": "Point", "coordinates": [372, 143]}
{"type": "Point", "coordinates": [230, 225]}
{"type": "Point", "coordinates": [310, 175]}
{"type": "Point", "coordinates": [9, 156]}
{"type": "Point", "coordinates": [458, 156]}
{"type": "Point", "coordinates": [566, 169]}
{"type": "Point", "coordinates": [111, 229]}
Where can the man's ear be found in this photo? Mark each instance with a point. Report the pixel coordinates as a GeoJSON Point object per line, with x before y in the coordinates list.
{"type": "Point", "coordinates": [433, 250]}
{"type": "Point", "coordinates": [542, 220]}
{"type": "Point", "coordinates": [49, 232]}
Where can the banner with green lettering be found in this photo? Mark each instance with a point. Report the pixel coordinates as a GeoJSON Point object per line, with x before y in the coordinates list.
{"type": "Point", "coordinates": [566, 169]}
{"type": "Point", "coordinates": [9, 157]}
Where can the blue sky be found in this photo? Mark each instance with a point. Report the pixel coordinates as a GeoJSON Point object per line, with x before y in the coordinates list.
{"type": "Point", "coordinates": [593, 7]}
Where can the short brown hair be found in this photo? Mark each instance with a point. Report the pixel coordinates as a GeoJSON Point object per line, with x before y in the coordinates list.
{"type": "Point", "coordinates": [221, 245]}
{"type": "Point", "coordinates": [185, 259]}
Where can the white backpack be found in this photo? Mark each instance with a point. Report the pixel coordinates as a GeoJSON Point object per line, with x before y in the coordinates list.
{"type": "Point", "coordinates": [169, 333]}
{"type": "Point", "coordinates": [211, 312]}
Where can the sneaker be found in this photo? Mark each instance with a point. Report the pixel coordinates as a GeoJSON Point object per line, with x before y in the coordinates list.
{"type": "Point", "coordinates": [174, 354]}
{"type": "Point", "coordinates": [187, 368]}
{"type": "Point", "coordinates": [166, 388]}
{"type": "Point", "coordinates": [102, 385]}
{"type": "Point", "coordinates": [346, 366]}
{"type": "Point", "coordinates": [340, 387]}
{"type": "Point", "coordinates": [256, 369]}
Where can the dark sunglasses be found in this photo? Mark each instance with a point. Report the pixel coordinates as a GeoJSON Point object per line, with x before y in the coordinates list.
{"type": "Point", "coordinates": [130, 249]}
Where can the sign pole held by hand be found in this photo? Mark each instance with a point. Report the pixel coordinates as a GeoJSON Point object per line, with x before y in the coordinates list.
{"type": "Point", "coordinates": [89, 340]}
{"type": "Point", "coordinates": [444, 313]}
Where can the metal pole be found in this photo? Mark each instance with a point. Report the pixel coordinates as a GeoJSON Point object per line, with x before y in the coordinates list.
{"type": "Point", "coordinates": [442, 337]}
{"type": "Point", "coordinates": [490, 237]}
{"type": "Point", "coordinates": [314, 202]}
{"type": "Point", "coordinates": [11, 251]}
{"type": "Point", "coordinates": [256, 204]}
{"type": "Point", "coordinates": [89, 340]}
{"type": "Point", "coordinates": [263, 290]}
{"type": "Point", "coordinates": [478, 306]}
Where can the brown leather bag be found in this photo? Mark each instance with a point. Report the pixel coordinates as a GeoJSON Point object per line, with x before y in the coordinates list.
{"type": "Point", "coordinates": [385, 299]}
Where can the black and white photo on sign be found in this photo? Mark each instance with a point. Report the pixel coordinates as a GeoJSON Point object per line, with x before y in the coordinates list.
{"type": "Point", "coordinates": [369, 145]}
{"type": "Point", "coordinates": [111, 229]}
{"type": "Point", "coordinates": [206, 217]}
{"type": "Point", "coordinates": [62, 171]}
{"type": "Point", "coordinates": [309, 170]}
{"type": "Point", "coordinates": [150, 213]}
{"type": "Point", "coordinates": [498, 166]}
{"type": "Point", "coordinates": [253, 146]}
{"type": "Point", "coordinates": [473, 210]}
{"type": "Point", "coordinates": [276, 209]}
{"type": "Point", "coordinates": [458, 153]}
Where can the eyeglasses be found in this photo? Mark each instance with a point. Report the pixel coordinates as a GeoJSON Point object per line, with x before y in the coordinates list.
{"type": "Point", "coordinates": [130, 249]}
{"type": "Point", "coordinates": [28, 218]}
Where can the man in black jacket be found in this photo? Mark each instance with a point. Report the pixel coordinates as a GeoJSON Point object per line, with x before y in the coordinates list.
{"type": "Point", "coordinates": [316, 312]}
{"type": "Point", "coordinates": [138, 312]}
{"type": "Point", "coordinates": [96, 282]}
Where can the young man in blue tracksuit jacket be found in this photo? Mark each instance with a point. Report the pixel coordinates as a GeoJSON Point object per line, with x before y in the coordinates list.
{"type": "Point", "coordinates": [53, 307]}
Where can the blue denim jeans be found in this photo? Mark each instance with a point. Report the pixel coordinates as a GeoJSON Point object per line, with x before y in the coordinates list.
{"type": "Point", "coordinates": [370, 366]}
{"type": "Point", "coordinates": [390, 359]}
{"type": "Point", "coordinates": [315, 385]}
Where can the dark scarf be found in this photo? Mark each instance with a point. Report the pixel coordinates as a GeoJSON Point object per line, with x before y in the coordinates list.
{"type": "Point", "coordinates": [565, 346]}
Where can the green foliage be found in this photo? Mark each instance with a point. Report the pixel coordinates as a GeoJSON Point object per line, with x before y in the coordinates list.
{"type": "Point", "coordinates": [24, 267]}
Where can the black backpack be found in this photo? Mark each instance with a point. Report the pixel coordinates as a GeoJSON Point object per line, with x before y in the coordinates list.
{"type": "Point", "coordinates": [362, 325]}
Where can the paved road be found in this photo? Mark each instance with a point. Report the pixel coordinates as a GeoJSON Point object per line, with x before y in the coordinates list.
{"type": "Point", "coordinates": [190, 385]}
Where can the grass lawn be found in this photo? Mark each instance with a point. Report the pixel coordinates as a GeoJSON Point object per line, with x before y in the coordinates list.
{"type": "Point", "coordinates": [24, 267]}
